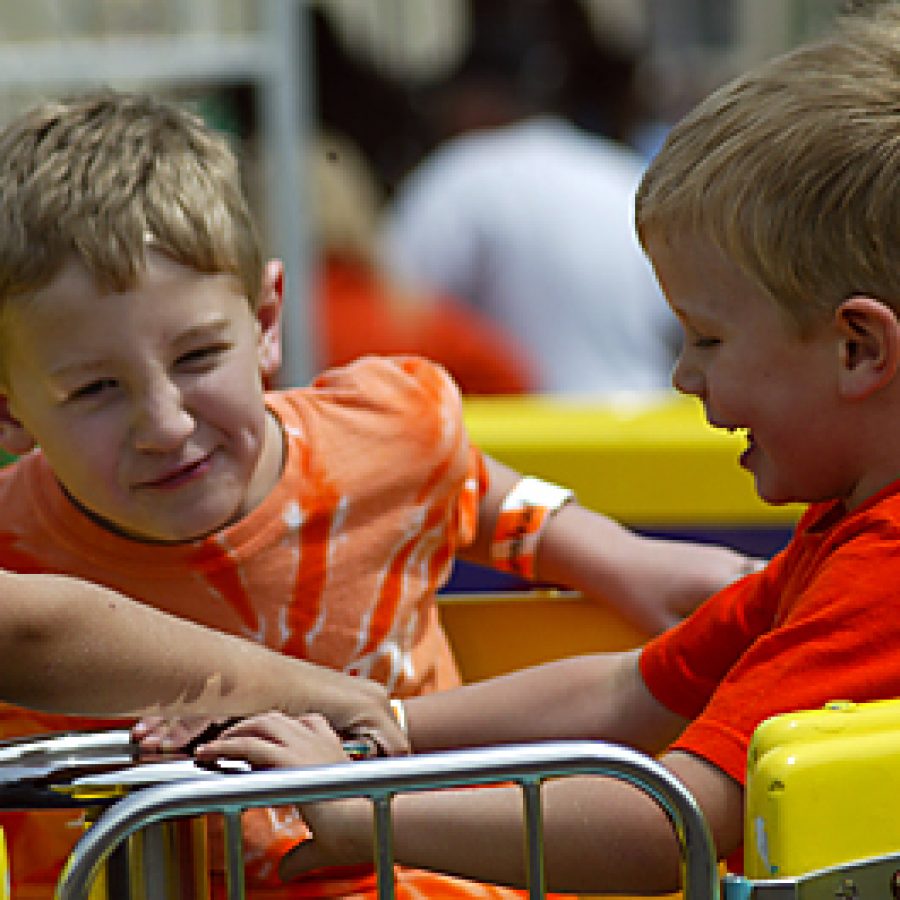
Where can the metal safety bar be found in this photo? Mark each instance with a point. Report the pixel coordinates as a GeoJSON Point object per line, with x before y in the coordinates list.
{"type": "Point", "coordinates": [380, 780]}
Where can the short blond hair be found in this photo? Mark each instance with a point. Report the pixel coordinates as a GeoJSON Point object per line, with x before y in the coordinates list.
{"type": "Point", "coordinates": [793, 171]}
{"type": "Point", "coordinates": [103, 176]}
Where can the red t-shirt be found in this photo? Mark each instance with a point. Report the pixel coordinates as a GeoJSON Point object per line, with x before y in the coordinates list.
{"type": "Point", "coordinates": [821, 623]}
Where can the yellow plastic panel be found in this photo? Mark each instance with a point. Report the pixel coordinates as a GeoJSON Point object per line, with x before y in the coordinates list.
{"type": "Point", "coordinates": [646, 460]}
{"type": "Point", "coordinates": [4, 869]}
{"type": "Point", "coordinates": [822, 788]}
{"type": "Point", "coordinates": [492, 634]}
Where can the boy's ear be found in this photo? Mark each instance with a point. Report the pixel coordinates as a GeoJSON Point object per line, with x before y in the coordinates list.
{"type": "Point", "coordinates": [14, 438]}
{"type": "Point", "coordinates": [870, 346]}
{"type": "Point", "coordinates": [268, 317]}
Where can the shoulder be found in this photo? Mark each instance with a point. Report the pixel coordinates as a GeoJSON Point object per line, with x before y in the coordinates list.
{"type": "Point", "coordinates": [378, 422]}
{"type": "Point", "coordinates": [380, 378]}
{"type": "Point", "coordinates": [34, 512]}
{"type": "Point", "coordinates": [381, 393]}
{"type": "Point", "coordinates": [867, 533]}
{"type": "Point", "coordinates": [19, 477]}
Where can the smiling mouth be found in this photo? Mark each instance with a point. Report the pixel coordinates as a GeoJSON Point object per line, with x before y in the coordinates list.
{"type": "Point", "coordinates": [177, 477]}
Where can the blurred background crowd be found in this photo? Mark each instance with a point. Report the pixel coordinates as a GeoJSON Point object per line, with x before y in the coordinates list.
{"type": "Point", "coordinates": [463, 168]}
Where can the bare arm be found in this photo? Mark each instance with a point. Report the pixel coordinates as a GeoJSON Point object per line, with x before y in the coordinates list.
{"type": "Point", "coordinates": [600, 835]}
{"type": "Point", "coordinates": [74, 647]}
{"type": "Point", "coordinates": [652, 582]}
{"type": "Point", "coordinates": [598, 696]}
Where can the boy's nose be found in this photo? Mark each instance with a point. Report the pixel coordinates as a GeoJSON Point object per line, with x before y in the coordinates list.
{"type": "Point", "coordinates": [686, 378]}
{"type": "Point", "coordinates": [161, 422]}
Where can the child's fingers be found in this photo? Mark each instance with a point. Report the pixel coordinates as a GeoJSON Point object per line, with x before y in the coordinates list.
{"type": "Point", "coordinates": [259, 752]}
{"type": "Point", "coordinates": [274, 740]}
{"type": "Point", "coordinates": [276, 726]}
{"type": "Point", "coordinates": [146, 726]}
{"type": "Point", "coordinates": [170, 735]}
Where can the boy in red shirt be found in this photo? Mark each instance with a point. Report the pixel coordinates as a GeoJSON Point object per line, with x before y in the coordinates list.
{"type": "Point", "coordinates": [771, 218]}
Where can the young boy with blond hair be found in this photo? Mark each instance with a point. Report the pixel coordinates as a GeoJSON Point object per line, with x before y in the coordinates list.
{"type": "Point", "coordinates": [772, 219]}
{"type": "Point", "coordinates": [138, 323]}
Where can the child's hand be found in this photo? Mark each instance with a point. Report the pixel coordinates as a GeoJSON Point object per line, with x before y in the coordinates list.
{"type": "Point", "coordinates": [174, 735]}
{"type": "Point", "coordinates": [341, 828]}
{"type": "Point", "coordinates": [359, 709]}
{"type": "Point", "coordinates": [274, 740]}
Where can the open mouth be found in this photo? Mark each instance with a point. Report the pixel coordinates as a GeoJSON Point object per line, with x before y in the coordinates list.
{"type": "Point", "coordinates": [731, 429]}
{"type": "Point", "coordinates": [751, 445]}
{"type": "Point", "coordinates": [746, 434]}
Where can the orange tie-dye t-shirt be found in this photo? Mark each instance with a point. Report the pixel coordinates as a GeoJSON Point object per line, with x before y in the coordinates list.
{"type": "Point", "coordinates": [338, 565]}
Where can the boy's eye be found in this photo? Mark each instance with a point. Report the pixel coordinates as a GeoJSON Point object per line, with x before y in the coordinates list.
{"type": "Point", "coordinates": [693, 337]}
{"type": "Point", "coordinates": [92, 389]}
{"type": "Point", "coordinates": [202, 354]}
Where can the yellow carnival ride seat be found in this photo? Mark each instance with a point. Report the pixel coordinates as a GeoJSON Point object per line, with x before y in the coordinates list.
{"type": "Point", "coordinates": [822, 785]}
{"type": "Point", "coordinates": [820, 809]}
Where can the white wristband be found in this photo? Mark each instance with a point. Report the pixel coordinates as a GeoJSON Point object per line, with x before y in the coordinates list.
{"type": "Point", "coordinates": [399, 711]}
{"type": "Point", "coordinates": [523, 516]}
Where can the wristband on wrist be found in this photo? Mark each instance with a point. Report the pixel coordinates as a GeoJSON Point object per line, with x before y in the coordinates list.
{"type": "Point", "coordinates": [399, 711]}
{"type": "Point", "coordinates": [523, 516]}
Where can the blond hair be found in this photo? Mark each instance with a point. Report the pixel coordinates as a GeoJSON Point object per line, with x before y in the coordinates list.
{"type": "Point", "coordinates": [793, 171]}
{"type": "Point", "coordinates": [105, 175]}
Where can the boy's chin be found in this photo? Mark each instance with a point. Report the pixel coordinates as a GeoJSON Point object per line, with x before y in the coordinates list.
{"type": "Point", "coordinates": [774, 495]}
{"type": "Point", "coordinates": [195, 525]}
{"type": "Point", "coordinates": [181, 533]}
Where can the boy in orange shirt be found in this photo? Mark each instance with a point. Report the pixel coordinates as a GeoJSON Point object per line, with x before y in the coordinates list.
{"type": "Point", "coordinates": [139, 322]}
{"type": "Point", "coordinates": [771, 217]}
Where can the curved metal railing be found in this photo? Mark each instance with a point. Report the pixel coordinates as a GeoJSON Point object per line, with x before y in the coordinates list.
{"type": "Point", "coordinates": [526, 765]}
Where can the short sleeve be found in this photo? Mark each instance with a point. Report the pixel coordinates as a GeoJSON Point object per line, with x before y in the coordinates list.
{"type": "Point", "coordinates": [833, 635]}
{"type": "Point", "coordinates": [415, 409]}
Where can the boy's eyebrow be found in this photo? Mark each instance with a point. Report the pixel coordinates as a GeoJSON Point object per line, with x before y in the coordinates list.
{"type": "Point", "coordinates": [203, 331]}
{"type": "Point", "coordinates": [75, 368]}
{"type": "Point", "coordinates": [214, 326]}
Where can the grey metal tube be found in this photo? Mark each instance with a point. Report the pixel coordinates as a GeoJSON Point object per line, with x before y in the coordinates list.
{"type": "Point", "coordinates": [381, 778]}
{"type": "Point", "coordinates": [234, 855]}
{"type": "Point", "coordinates": [534, 843]}
{"type": "Point", "coordinates": [384, 848]}
{"type": "Point", "coordinates": [286, 117]}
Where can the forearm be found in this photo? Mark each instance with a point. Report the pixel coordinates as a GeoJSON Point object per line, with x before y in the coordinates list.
{"type": "Point", "coordinates": [599, 836]}
{"type": "Point", "coordinates": [601, 696]}
{"type": "Point", "coordinates": [652, 581]}
{"type": "Point", "coordinates": [79, 648]}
